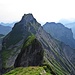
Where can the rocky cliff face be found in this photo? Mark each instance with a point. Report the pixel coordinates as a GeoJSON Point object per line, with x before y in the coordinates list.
{"type": "Point", "coordinates": [60, 32]}
{"type": "Point", "coordinates": [31, 54]}
{"type": "Point", "coordinates": [12, 43]}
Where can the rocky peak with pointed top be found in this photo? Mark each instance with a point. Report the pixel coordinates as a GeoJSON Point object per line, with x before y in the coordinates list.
{"type": "Point", "coordinates": [28, 22]}
{"type": "Point", "coordinates": [23, 28]}
{"type": "Point", "coordinates": [27, 18]}
{"type": "Point", "coordinates": [14, 40]}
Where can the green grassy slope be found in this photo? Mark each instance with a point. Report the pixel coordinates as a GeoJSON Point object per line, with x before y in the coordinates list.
{"type": "Point", "coordinates": [28, 71]}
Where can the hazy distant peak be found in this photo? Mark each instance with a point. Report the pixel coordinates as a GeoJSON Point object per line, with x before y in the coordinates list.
{"type": "Point", "coordinates": [4, 29]}
{"type": "Point", "coordinates": [72, 23]}
{"type": "Point", "coordinates": [61, 33]}
{"type": "Point", "coordinates": [7, 24]}
{"type": "Point", "coordinates": [66, 21]}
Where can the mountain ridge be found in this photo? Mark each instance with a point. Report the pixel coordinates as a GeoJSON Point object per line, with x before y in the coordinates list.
{"type": "Point", "coordinates": [57, 57]}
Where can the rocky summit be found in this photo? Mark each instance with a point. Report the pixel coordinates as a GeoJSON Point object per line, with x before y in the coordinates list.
{"type": "Point", "coordinates": [12, 43]}
{"type": "Point", "coordinates": [31, 54]}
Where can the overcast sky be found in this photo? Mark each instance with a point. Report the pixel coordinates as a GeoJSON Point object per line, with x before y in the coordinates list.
{"type": "Point", "coordinates": [42, 10]}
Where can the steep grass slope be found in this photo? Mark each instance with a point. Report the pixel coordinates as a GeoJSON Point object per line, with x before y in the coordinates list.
{"type": "Point", "coordinates": [28, 71]}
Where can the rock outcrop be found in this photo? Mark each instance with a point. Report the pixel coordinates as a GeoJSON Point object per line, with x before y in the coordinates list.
{"type": "Point", "coordinates": [31, 54]}
{"type": "Point", "coordinates": [60, 32]}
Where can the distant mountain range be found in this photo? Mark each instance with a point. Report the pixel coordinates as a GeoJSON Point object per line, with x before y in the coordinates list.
{"type": "Point", "coordinates": [5, 29]}
{"type": "Point", "coordinates": [66, 21]}
{"type": "Point", "coordinates": [8, 24]}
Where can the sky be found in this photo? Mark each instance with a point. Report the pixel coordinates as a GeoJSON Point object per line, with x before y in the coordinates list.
{"type": "Point", "coordinates": [42, 10]}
